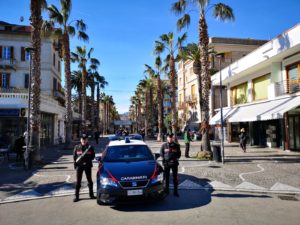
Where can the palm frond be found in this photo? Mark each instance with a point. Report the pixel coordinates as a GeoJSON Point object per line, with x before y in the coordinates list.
{"type": "Point", "coordinates": [179, 7]}
{"type": "Point", "coordinates": [55, 15]}
{"type": "Point", "coordinates": [80, 25]}
{"type": "Point", "coordinates": [159, 47]}
{"type": "Point", "coordinates": [95, 61]}
{"type": "Point", "coordinates": [71, 31]}
{"type": "Point", "coordinates": [66, 6]}
{"type": "Point", "coordinates": [90, 52]}
{"type": "Point", "coordinates": [223, 12]}
{"type": "Point", "coordinates": [83, 36]}
{"type": "Point", "coordinates": [183, 22]}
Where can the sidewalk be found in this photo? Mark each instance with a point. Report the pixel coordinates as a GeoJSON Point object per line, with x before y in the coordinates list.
{"type": "Point", "coordinates": [257, 170]}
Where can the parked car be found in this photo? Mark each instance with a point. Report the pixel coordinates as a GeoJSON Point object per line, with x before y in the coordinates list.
{"type": "Point", "coordinates": [127, 169]}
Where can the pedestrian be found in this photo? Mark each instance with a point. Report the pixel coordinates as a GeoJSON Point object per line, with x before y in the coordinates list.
{"type": "Point", "coordinates": [83, 155]}
{"type": "Point", "coordinates": [19, 143]}
{"type": "Point", "coordinates": [96, 136]}
{"type": "Point", "coordinates": [243, 139]}
{"type": "Point", "coordinates": [170, 153]}
{"type": "Point", "coordinates": [187, 140]}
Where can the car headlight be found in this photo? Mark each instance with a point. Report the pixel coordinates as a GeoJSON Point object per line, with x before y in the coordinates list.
{"type": "Point", "coordinates": [158, 178]}
{"type": "Point", "coordinates": [108, 182]}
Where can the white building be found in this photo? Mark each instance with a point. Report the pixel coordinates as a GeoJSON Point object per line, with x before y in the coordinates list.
{"type": "Point", "coordinates": [263, 93]}
{"type": "Point", "coordinates": [14, 80]}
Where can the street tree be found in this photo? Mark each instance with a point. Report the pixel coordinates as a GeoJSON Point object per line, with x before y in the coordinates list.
{"type": "Point", "coordinates": [84, 59]}
{"type": "Point", "coordinates": [220, 11]}
{"type": "Point", "coordinates": [61, 27]}
{"type": "Point", "coordinates": [166, 43]}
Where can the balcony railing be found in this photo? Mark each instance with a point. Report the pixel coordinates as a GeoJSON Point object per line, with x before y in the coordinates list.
{"type": "Point", "coordinates": [191, 99]}
{"type": "Point", "coordinates": [8, 63]}
{"type": "Point", "coordinates": [287, 87]}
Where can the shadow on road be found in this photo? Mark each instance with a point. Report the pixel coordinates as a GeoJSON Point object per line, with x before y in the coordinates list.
{"type": "Point", "coordinates": [229, 195]}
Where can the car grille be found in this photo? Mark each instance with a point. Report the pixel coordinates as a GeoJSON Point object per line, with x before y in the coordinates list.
{"type": "Point", "coordinates": [134, 184]}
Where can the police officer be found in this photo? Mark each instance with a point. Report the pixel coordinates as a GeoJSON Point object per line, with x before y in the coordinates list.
{"type": "Point", "coordinates": [170, 153]}
{"type": "Point", "coordinates": [83, 155]}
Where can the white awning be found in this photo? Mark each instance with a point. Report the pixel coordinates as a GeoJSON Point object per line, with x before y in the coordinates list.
{"type": "Point", "coordinates": [268, 110]}
{"type": "Point", "coordinates": [216, 119]}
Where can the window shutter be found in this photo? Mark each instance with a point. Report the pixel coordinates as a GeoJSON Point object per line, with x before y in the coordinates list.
{"type": "Point", "coordinates": [8, 80]}
{"type": "Point", "coordinates": [22, 54]}
{"type": "Point", "coordinates": [12, 52]}
{"type": "Point", "coordinates": [0, 52]}
{"type": "Point", "coordinates": [1, 80]}
{"type": "Point", "coordinates": [26, 81]}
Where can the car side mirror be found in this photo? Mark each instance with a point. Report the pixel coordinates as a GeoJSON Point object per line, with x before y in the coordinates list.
{"type": "Point", "coordinates": [156, 156]}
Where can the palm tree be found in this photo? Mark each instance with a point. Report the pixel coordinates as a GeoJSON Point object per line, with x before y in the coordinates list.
{"type": "Point", "coordinates": [36, 7]}
{"type": "Point", "coordinates": [92, 80]}
{"type": "Point", "coordinates": [100, 83]}
{"type": "Point", "coordinates": [167, 43]}
{"type": "Point", "coordinates": [62, 33]}
{"type": "Point", "coordinates": [220, 11]}
{"type": "Point", "coordinates": [156, 74]}
{"type": "Point", "coordinates": [83, 57]}
{"type": "Point", "coordinates": [108, 103]}
{"type": "Point", "coordinates": [144, 90]}
{"type": "Point", "coordinates": [76, 82]}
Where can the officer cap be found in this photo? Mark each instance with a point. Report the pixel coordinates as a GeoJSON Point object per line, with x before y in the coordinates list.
{"type": "Point", "coordinates": [84, 136]}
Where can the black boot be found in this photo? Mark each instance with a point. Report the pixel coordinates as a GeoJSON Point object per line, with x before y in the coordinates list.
{"type": "Point", "coordinates": [77, 189]}
{"type": "Point", "coordinates": [91, 192]}
{"type": "Point", "coordinates": [176, 192]}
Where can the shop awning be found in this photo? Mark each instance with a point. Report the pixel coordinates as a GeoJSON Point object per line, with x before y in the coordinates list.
{"type": "Point", "coordinates": [268, 110]}
{"type": "Point", "coordinates": [216, 119]}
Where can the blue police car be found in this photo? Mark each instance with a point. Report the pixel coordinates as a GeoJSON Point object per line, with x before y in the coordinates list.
{"type": "Point", "coordinates": [128, 168]}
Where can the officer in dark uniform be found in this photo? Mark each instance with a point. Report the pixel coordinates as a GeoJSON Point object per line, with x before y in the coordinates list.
{"type": "Point", "coordinates": [83, 156]}
{"type": "Point", "coordinates": [170, 153]}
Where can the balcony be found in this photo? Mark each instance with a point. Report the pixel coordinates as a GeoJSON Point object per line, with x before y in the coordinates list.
{"type": "Point", "coordinates": [59, 95]}
{"type": "Point", "coordinates": [8, 64]}
{"type": "Point", "coordinates": [284, 87]}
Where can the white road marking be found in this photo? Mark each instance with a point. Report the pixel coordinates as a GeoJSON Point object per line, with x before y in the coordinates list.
{"type": "Point", "coordinates": [283, 187]}
{"type": "Point", "coordinates": [258, 165]}
{"type": "Point", "coordinates": [67, 179]}
{"type": "Point", "coordinates": [249, 186]}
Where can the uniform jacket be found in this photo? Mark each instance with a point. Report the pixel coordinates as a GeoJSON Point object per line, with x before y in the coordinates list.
{"type": "Point", "coordinates": [87, 160]}
{"type": "Point", "coordinates": [170, 152]}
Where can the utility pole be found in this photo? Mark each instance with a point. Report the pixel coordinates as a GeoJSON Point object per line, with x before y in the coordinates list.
{"type": "Point", "coordinates": [220, 56]}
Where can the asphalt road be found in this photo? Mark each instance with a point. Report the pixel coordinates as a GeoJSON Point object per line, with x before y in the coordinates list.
{"type": "Point", "coordinates": [192, 207]}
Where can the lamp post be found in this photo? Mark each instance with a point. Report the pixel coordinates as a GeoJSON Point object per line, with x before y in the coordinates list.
{"type": "Point", "coordinates": [220, 57]}
{"type": "Point", "coordinates": [27, 154]}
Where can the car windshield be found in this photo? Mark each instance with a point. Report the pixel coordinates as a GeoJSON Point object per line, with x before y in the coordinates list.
{"type": "Point", "coordinates": [128, 153]}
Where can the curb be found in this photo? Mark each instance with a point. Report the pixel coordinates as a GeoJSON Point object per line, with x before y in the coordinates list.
{"type": "Point", "coordinates": [191, 189]}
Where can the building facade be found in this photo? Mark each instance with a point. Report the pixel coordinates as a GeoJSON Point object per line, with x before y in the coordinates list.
{"type": "Point", "coordinates": [263, 90]}
{"type": "Point", "coordinates": [188, 99]}
{"type": "Point", "coordinates": [14, 82]}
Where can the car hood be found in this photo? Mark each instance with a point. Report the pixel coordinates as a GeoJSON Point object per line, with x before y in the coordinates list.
{"type": "Point", "coordinates": [127, 171]}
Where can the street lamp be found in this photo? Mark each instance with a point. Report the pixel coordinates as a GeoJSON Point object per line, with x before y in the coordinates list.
{"type": "Point", "coordinates": [220, 56]}
{"type": "Point", "coordinates": [27, 154]}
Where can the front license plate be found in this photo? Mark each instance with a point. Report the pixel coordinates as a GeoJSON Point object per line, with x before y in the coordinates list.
{"type": "Point", "coordinates": [135, 192]}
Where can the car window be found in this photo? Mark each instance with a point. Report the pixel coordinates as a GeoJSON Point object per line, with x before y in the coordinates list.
{"type": "Point", "coordinates": [127, 153]}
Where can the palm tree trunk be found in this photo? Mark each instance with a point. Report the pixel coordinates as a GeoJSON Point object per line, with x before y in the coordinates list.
{"type": "Point", "coordinates": [184, 97]}
{"type": "Point", "coordinates": [205, 81]}
{"type": "Point", "coordinates": [160, 112]}
{"type": "Point", "coordinates": [173, 95]}
{"type": "Point", "coordinates": [36, 23]}
{"type": "Point", "coordinates": [98, 108]}
{"type": "Point", "coordinates": [93, 105]}
{"type": "Point", "coordinates": [146, 112]}
{"type": "Point", "coordinates": [83, 93]}
{"type": "Point", "coordinates": [68, 85]}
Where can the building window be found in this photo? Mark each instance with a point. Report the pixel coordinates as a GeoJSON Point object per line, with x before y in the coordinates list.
{"type": "Point", "coordinates": [5, 80]}
{"type": "Point", "coordinates": [54, 84]}
{"type": "Point", "coordinates": [53, 59]}
{"type": "Point", "coordinates": [239, 94]}
{"type": "Point", "coordinates": [260, 87]}
{"type": "Point", "coordinates": [27, 56]}
{"type": "Point", "coordinates": [293, 72]}
{"type": "Point", "coordinates": [26, 80]}
{"type": "Point", "coordinates": [6, 53]}
{"type": "Point", "coordinates": [193, 91]}
{"type": "Point", "coordinates": [58, 65]}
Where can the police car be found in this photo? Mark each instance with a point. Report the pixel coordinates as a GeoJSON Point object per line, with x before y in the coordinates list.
{"type": "Point", "coordinates": [127, 169]}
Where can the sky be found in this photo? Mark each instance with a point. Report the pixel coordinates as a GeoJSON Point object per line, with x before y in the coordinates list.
{"type": "Point", "coordinates": [123, 32]}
